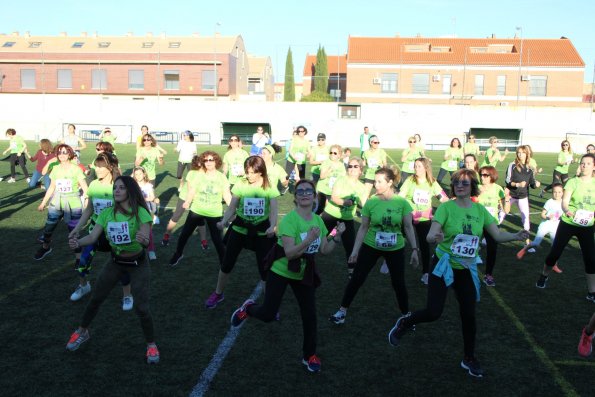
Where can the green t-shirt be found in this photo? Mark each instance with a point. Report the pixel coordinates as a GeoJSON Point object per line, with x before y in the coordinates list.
{"type": "Point", "coordinates": [486, 160]}
{"type": "Point", "coordinates": [121, 229]}
{"type": "Point", "coordinates": [293, 225]}
{"type": "Point", "coordinates": [67, 180]}
{"type": "Point", "coordinates": [254, 203]}
{"type": "Point", "coordinates": [109, 139]}
{"type": "Point", "coordinates": [17, 145]}
{"type": "Point", "coordinates": [209, 187]}
{"type": "Point", "coordinates": [234, 159]}
{"type": "Point", "coordinates": [337, 169]}
{"type": "Point", "coordinates": [374, 159]}
{"type": "Point", "coordinates": [462, 228]}
{"type": "Point", "coordinates": [420, 197]}
{"type": "Point", "coordinates": [190, 176]}
{"type": "Point", "coordinates": [453, 157]}
{"type": "Point", "coordinates": [347, 189]}
{"type": "Point", "coordinates": [410, 156]}
{"type": "Point", "coordinates": [565, 159]}
{"type": "Point", "coordinates": [149, 163]}
{"type": "Point", "coordinates": [491, 199]}
{"type": "Point", "coordinates": [386, 220]}
{"type": "Point", "coordinates": [101, 196]}
{"type": "Point", "coordinates": [319, 153]}
{"type": "Point", "coordinates": [299, 150]}
{"type": "Point", "coordinates": [582, 202]}
{"type": "Point", "coordinates": [276, 174]}
{"type": "Point", "coordinates": [471, 148]}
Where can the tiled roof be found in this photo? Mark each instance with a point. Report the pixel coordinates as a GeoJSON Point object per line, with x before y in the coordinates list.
{"type": "Point", "coordinates": [256, 65]}
{"type": "Point", "coordinates": [334, 62]}
{"type": "Point", "coordinates": [452, 51]}
{"type": "Point", "coordinates": [92, 44]}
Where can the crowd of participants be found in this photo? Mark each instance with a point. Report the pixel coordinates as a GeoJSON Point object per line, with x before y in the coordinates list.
{"type": "Point", "coordinates": [116, 212]}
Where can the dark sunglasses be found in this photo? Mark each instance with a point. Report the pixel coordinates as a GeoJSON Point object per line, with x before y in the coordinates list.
{"type": "Point", "coordinates": [304, 192]}
{"type": "Point", "coordinates": [353, 166]}
{"type": "Point", "coordinates": [333, 153]}
{"type": "Point", "coordinates": [301, 130]}
{"type": "Point", "coordinates": [147, 140]}
{"type": "Point", "coordinates": [376, 142]}
{"type": "Point", "coordinates": [411, 141]}
{"type": "Point", "coordinates": [208, 160]}
{"type": "Point", "coordinates": [233, 139]}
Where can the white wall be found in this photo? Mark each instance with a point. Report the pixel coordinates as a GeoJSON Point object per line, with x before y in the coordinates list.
{"type": "Point", "coordinates": [43, 116]}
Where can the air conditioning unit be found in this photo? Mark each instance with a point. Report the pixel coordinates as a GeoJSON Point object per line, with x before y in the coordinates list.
{"type": "Point", "coordinates": [435, 77]}
{"type": "Point", "coordinates": [503, 104]}
{"type": "Point", "coordinates": [376, 80]}
{"type": "Point", "coordinates": [525, 77]}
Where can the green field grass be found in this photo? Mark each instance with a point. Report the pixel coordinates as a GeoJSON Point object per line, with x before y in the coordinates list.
{"type": "Point", "coordinates": [526, 340]}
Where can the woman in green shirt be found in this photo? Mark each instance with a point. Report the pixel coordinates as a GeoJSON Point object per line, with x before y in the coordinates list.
{"type": "Point", "coordinates": [277, 175]}
{"type": "Point", "coordinates": [254, 204]}
{"type": "Point", "coordinates": [408, 158]}
{"type": "Point", "coordinates": [374, 159]}
{"type": "Point", "coordinates": [302, 234]}
{"type": "Point", "coordinates": [452, 157]}
{"type": "Point", "coordinates": [297, 152]}
{"type": "Point", "coordinates": [471, 147]}
{"type": "Point", "coordinates": [330, 170]}
{"type": "Point", "coordinates": [317, 155]}
{"type": "Point", "coordinates": [147, 156]}
{"type": "Point", "coordinates": [18, 150]}
{"type": "Point", "coordinates": [233, 160]}
{"type": "Point", "coordinates": [565, 158]}
{"type": "Point", "coordinates": [493, 155]}
{"type": "Point", "coordinates": [384, 217]}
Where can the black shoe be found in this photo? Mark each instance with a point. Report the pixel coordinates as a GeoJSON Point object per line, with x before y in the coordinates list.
{"type": "Point", "coordinates": [42, 253]}
{"type": "Point", "coordinates": [397, 332]}
{"type": "Point", "coordinates": [541, 283]}
{"type": "Point", "coordinates": [472, 366]}
{"type": "Point", "coordinates": [165, 242]}
{"type": "Point", "coordinates": [591, 296]}
{"type": "Point", "coordinates": [175, 259]}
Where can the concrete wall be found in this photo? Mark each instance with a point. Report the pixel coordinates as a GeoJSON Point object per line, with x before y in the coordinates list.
{"type": "Point", "coordinates": [38, 116]}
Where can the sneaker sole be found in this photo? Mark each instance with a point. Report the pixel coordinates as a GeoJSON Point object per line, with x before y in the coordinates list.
{"type": "Point", "coordinates": [176, 262]}
{"type": "Point", "coordinates": [79, 298]}
{"type": "Point", "coordinates": [540, 286]}
{"type": "Point", "coordinates": [468, 369]}
{"type": "Point", "coordinates": [44, 255]}
{"type": "Point", "coordinates": [314, 371]}
{"type": "Point", "coordinates": [215, 305]}
{"type": "Point", "coordinates": [153, 360]}
{"type": "Point", "coordinates": [336, 321]}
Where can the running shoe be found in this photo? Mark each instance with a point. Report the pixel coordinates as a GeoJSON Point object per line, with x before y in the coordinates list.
{"type": "Point", "coordinates": [240, 314]}
{"type": "Point", "coordinates": [41, 239]}
{"type": "Point", "coordinates": [424, 279]}
{"type": "Point", "coordinates": [127, 303]}
{"type": "Point", "coordinates": [204, 244]}
{"type": "Point", "coordinates": [541, 282]}
{"type": "Point", "coordinates": [312, 363]}
{"type": "Point", "coordinates": [11, 180]}
{"type": "Point", "coordinates": [152, 354]}
{"type": "Point", "coordinates": [472, 366]}
{"type": "Point", "coordinates": [522, 252]}
{"type": "Point", "coordinates": [591, 296]}
{"type": "Point", "coordinates": [338, 318]}
{"type": "Point", "coordinates": [384, 268]}
{"type": "Point", "coordinates": [77, 338]}
{"type": "Point", "coordinates": [488, 279]}
{"type": "Point", "coordinates": [155, 220]}
{"type": "Point", "coordinates": [214, 299]}
{"type": "Point", "coordinates": [80, 291]}
{"type": "Point", "coordinates": [531, 250]}
{"type": "Point", "coordinates": [28, 180]}
{"type": "Point", "coordinates": [152, 255]}
{"type": "Point", "coordinates": [165, 240]}
{"type": "Point", "coordinates": [397, 332]}
{"type": "Point", "coordinates": [42, 253]}
{"type": "Point", "coordinates": [175, 259]}
{"type": "Point", "coordinates": [585, 345]}
{"type": "Point", "coordinates": [557, 269]}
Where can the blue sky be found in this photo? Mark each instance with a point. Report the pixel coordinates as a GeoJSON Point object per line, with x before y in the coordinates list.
{"type": "Point", "coordinates": [271, 27]}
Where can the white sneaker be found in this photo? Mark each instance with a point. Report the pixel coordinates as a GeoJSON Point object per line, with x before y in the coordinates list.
{"type": "Point", "coordinates": [155, 220]}
{"type": "Point", "coordinates": [11, 180]}
{"type": "Point", "coordinates": [152, 255]}
{"type": "Point", "coordinates": [531, 250]}
{"type": "Point", "coordinates": [1, 179]}
{"type": "Point", "coordinates": [424, 279]}
{"type": "Point", "coordinates": [127, 303]}
{"type": "Point", "coordinates": [80, 291]}
{"type": "Point", "coordinates": [28, 180]}
{"type": "Point", "coordinates": [384, 268]}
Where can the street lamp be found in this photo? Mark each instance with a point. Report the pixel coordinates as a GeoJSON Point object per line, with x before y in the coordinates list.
{"type": "Point", "coordinates": [215, 89]}
{"type": "Point", "coordinates": [518, 87]}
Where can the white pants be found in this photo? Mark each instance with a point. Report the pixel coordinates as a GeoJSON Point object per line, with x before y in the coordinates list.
{"type": "Point", "coordinates": [546, 227]}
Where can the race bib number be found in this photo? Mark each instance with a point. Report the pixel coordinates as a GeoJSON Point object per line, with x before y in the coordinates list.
{"type": "Point", "coordinates": [119, 232]}
{"type": "Point", "coordinates": [331, 181]}
{"type": "Point", "coordinates": [373, 163]}
{"type": "Point", "coordinates": [569, 159]}
{"type": "Point", "coordinates": [583, 217]}
{"type": "Point", "coordinates": [465, 245]}
{"type": "Point", "coordinates": [254, 206]}
{"type": "Point", "coordinates": [452, 164]}
{"type": "Point", "coordinates": [314, 245]}
{"type": "Point", "coordinates": [64, 185]}
{"type": "Point", "coordinates": [321, 157]}
{"type": "Point", "coordinates": [386, 239]}
{"type": "Point", "coordinates": [299, 157]}
{"type": "Point", "coordinates": [421, 197]}
{"type": "Point", "coordinates": [13, 145]}
{"type": "Point", "coordinates": [101, 204]}
{"type": "Point", "coordinates": [237, 169]}
{"type": "Point", "coordinates": [493, 211]}
{"type": "Point", "coordinates": [411, 166]}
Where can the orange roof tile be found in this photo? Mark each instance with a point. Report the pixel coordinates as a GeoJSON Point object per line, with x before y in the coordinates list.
{"type": "Point", "coordinates": [334, 62]}
{"type": "Point", "coordinates": [536, 52]}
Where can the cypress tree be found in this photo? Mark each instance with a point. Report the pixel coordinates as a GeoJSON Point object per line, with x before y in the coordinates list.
{"type": "Point", "coordinates": [289, 86]}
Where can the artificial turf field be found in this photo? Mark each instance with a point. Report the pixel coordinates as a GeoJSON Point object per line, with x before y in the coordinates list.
{"type": "Point", "coordinates": [526, 339]}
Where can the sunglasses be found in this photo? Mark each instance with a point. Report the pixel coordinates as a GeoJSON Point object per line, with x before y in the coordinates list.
{"type": "Point", "coordinates": [304, 192]}
{"type": "Point", "coordinates": [565, 144]}
{"type": "Point", "coordinates": [461, 183]}
{"type": "Point", "coordinates": [321, 139]}
{"type": "Point", "coordinates": [147, 140]}
{"type": "Point", "coordinates": [333, 153]}
{"type": "Point", "coordinates": [471, 137]}
{"type": "Point", "coordinates": [301, 130]}
{"type": "Point", "coordinates": [353, 166]}
{"type": "Point", "coordinates": [411, 141]}
{"type": "Point", "coordinates": [233, 139]}
{"type": "Point", "coordinates": [485, 175]}
{"type": "Point", "coordinates": [209, 160]}
{"type": "Point", "coordinates": [376, 142]}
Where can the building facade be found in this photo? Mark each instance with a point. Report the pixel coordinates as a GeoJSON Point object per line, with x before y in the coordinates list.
{"type": "Point", "coordinates": [337, 79]}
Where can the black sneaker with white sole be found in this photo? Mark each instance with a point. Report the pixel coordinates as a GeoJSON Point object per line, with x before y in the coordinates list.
{"type": "Point", "coordinates": [400, 329]}
{"type": "Point", "coordinates": [541, 282]}
{"type": "Point", "coordinates": [175, 259]}
{"type": "Point", "coordinates": [472, 366]}
{"type": "Point", "coordinates": [42, 253]}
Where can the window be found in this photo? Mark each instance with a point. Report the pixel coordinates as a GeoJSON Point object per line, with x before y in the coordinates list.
{"type": "Point", "coordinates": [65, 78]}
{"type": "Point", "coordinates": [28, 78]}
{"type": "Point", "coordinates": [148, 44]}
{"type": "Point", "coordinates": [538, 86]}
{"type": "Point", "coordinates": [98, 79]}
{"type": "Point", "coordinates": [103, 44]}
{"type": "Point", "coordinates": [8, 44]}
{"type": "Point", "coordinates": [389, 82]}
{"type": "Point", "coordinates": [349, 111]}
{"type": "Point", "coordinates": [78, 44]}
{"type": "Point", "coordinates": [420, 83]}
{"type": "Point", "coordinates": [208, 80]}
{"type": "Point", "coordinates": [136, 79]}
{"type": "Point", "coordinates": [35, 44]}
{"type": "Point", "coordinates": [478, 86]}
{"type": "Point", "coordinates": [446, 83]}
{"type": "Point", "coordinates": [172, 79]}
{"type": "Point", "coordinates": [501, 85]}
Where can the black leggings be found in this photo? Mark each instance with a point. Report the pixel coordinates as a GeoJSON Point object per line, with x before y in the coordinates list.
{"type": "Point", "coordinates": [466, 295]}
{"type": "Point", "coordinates": [306, 297]}
{"type": "Point", "coordinates": [442, 174]}
{"type": "Point", "coordinates": [181, 167]}
{"type": "Point", "coordinates": [422, 229]}
{"type": "Point", "coordinates": [289, 166]}
{"type": "Point", "coordinates": [366, 260]}
{"type": "Point", "coordinates": [14, 159]}
{"type": "Point", "coordinates": [492, 250]}
{"type": "Point", "coordinates": [586, 241]}
{"type": "Point", "coordinates": [348, 236]}
{"type": "Point", "coordinates": [557, 177]}
{"type": "Point", "coordinates": [322, 199]}
{"type": "Point", "coordinates": [238, 241]}
{"type": "Point", "coordinates": [192, 221]}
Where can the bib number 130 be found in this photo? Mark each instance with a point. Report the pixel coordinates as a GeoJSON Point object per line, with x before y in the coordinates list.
{"type": "Point", "coordinates": [465, 245]}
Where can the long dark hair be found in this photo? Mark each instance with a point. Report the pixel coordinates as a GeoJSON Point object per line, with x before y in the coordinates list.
{"type": "Point", "coordinates": [136, 200]}
{"type": "Point", "coordinates": [258, 165]}
{"type": "Point", "coordinates": [109, 161]}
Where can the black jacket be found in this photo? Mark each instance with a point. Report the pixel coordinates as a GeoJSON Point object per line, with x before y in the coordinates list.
{"type": "Point", "coordinates": [514, 175]}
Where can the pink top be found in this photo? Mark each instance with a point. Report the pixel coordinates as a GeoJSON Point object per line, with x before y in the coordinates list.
{"type": "Point", "coordinates": [42, 159]}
